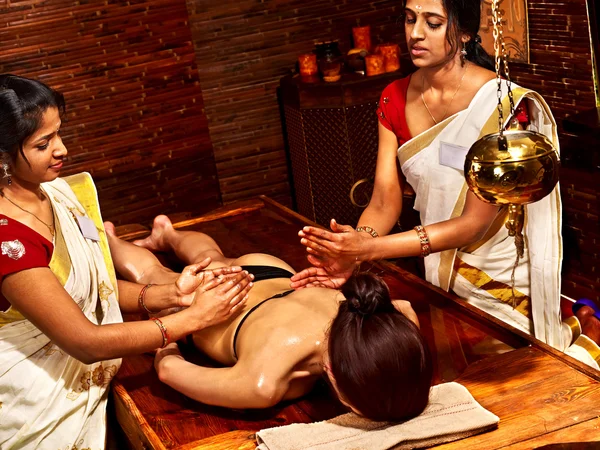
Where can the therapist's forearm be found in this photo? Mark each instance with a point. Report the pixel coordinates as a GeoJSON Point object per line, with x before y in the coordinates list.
{"type": "Point", "coordinates": [450, 234]}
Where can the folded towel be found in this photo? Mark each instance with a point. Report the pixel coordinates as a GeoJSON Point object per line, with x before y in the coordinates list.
{"type": "Point", "coordinates": [452, 414]}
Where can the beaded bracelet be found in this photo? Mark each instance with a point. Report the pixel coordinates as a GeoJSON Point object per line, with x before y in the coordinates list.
{"type": "Point", "coordinates": [142, 298]}
{"type": "Point", "coordinates": [163, 330]}
{"type": "Point", "coordinates": [424, 239]}
{"type": "Point", "coordinates": [369, 230]}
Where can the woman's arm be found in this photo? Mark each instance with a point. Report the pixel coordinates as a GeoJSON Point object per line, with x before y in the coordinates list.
{"type": "Point", "coordinates": [381, 214]}
{"type": "Point", "coordinates": [171, 295]}
{"type": "Point", "coordinates": [38, 295]}
{"type": "Point", "coordinates": [386, 202]}
{"type": "Point", "coordinates": [459, 232]}
{"type": "Point", "coordinates": [240, 386]}
{"type": "Point", "coordinates": [350, 246]}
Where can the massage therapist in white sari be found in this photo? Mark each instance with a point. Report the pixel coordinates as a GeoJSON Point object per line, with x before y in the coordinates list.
{"type": "Point", "coordinates": [428, 121]}
{"type": "Point", "coordinates": [61, 331]}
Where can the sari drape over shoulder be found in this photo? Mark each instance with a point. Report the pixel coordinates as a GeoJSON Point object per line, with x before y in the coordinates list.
{"type": "Point", "coordinates": [49, 399]}
{"type": "Point", "coordinates": [481, 273]}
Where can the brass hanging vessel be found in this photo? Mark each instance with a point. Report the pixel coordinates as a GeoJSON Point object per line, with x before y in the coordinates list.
{"type": "Point", "coordinates": [513, 167]}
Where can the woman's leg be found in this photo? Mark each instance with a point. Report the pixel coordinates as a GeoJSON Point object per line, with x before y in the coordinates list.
{"type": "Point", "coordinates": [136, 263]}
{"type": "Point", "coordinates": [189, 246]}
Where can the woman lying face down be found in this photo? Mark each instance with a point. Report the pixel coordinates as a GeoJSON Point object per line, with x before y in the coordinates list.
{"type": "Point", "coordinates": [283, 340]}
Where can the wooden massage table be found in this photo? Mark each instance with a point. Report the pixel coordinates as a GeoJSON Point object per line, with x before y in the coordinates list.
{"type": "Point", "coordinates": [540, 395]}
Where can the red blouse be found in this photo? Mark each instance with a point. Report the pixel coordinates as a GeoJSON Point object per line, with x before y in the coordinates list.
{"type": "Point", "coordinates": [392, 106]}
{"type": "Point", "coordinates": [392, 110]}
{"type": "Point", "coordinates": [21, 248]}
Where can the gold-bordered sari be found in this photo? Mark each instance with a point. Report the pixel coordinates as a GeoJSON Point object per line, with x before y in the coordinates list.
{"type": "Point", "coordinates": [481, 273]}
{"type": "Point", "coordinates": [49, 399]}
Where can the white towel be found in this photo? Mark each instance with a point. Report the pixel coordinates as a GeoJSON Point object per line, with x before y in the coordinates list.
{"type": "Point", "coordinates": [452, 414]}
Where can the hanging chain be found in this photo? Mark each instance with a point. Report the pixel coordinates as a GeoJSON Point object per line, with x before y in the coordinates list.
{"type": "Point", "coordinates": [501, 65]}
{"type": "Point", "coordinates": [496, 18]}
{"type": "Point", "coordinates": [505, 63]}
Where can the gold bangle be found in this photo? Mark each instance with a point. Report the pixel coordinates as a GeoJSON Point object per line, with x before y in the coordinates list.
{"type": "Point", "coordinates": [369, 230]}
{"type": "Point", "coordinates": [424, 239]}
{"type": "Point", "coordinates": [142, 298]}
{"type": "Point", "coordinates": [163, 330]}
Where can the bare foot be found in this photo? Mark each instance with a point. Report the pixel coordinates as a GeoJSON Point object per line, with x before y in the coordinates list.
{"type": "Point", "coordinates": [109, 227]}
{"type": "Point", "coordinates": [156, 241]}
{"type": "Point", "coordinates": [590, 326]}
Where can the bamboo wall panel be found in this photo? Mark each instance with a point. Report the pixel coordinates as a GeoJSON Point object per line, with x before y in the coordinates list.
{"type": "Point", "coordinates": [135, 116]}
{"type": "Point", "coordinates": [560, 58]}
{"type": "Point", "coordinates": [243, 49]}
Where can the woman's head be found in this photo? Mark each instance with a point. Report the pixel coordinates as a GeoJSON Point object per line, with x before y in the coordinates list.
{"type": "Point", "coordinates": [29, 121]}
{"type": "Point", "coordinates": [378, 361]}
{"type": "Point", "coordinates": [437, 30]}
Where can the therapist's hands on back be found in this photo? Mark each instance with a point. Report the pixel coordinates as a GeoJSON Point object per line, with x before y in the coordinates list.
{"type": "Point", "coordinates": [334, 255]}
{"type": "Point", "coordinates": [195, 276]}
{"type": "Point", "coordinates": [220, 298]}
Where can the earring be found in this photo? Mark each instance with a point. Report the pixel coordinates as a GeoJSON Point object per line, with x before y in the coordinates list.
{"type": "Point", "coordinates": [6, 170]}
{"type": "Point", "coordinates": [463, 54]}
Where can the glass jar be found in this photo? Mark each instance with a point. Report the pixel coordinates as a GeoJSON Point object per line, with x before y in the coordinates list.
{"type": "Point", "coordinates": [329, 60]}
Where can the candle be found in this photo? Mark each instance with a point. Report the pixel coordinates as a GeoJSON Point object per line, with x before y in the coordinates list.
{"type": "Point", "coordinates": [391, 56]}
{"type": "Point", "coordinates": [375, 65]}
{"type": "Point", "coordinates": [362, 37]}
{"type": "Point", "coordinates": [308, 64]}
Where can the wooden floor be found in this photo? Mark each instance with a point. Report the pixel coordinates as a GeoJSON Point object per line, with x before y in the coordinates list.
{"type": "Point", "coordinates": [540, 395]}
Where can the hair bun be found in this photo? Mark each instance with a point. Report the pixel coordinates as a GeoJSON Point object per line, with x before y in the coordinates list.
{"type": "Point", "coordinates": [367, 294]}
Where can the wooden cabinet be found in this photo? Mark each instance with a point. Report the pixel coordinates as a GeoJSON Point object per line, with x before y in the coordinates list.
{"type": "Point", "coordinates": [332, 134]}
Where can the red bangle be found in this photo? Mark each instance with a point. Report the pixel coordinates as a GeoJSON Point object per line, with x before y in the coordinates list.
{"type": "Point", "coordinates": [424, 239]}
{"type": "Point", "coordinates": [163, 330]}
{"type": "Point", "coordinates": [142, 298]}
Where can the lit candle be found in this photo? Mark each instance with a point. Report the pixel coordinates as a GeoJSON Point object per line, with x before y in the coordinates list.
{"type": "Point", "coordinates": [391, 56]}
{"type": "Point", "coordinates": [375, 65]}
{"type": "Point", "coordinates": [362, 37]}
{"type": "Point", "coordinates": [308, 64]}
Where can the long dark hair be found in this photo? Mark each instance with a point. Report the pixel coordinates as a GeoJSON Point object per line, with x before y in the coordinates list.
{"type": "Point", "coordinates": [378, 357]}
{"type": "Point", "coordinates": [22, 105]}
{"type": "Point", "coordinates": [464, 17]}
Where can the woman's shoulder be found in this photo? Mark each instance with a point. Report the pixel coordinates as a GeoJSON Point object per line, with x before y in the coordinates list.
{"type": "Point", "coordinates": [480, 76]}
{"type": "Point", "coordinates": [397, 87]}
{"type": "Point", "coordinates": [21, 247]}
{"type": "Point", "coordinates": [477, 78]}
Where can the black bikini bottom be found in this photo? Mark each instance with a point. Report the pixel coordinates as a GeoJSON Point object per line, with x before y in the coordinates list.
{"type": "Point", "coordinates": [267, 272]}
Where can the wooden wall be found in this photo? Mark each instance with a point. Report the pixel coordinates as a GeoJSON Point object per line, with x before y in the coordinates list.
{"type": "Point", "coordinates": [243, 48]}
{"type": "Point", "coordinates": [135, 109]}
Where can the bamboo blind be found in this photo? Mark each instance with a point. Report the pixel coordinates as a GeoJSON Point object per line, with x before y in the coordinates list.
{"type": "Point", "coordinates": [243, 48]}
{"type": "Point", "coordinates": [135, 116]}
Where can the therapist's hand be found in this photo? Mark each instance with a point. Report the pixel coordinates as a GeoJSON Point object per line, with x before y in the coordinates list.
{"type": "Point", "coordinates": [195, 276]}
{"type": "Point", "coordinates": [342, 244]}
{"type": "Point", "coordinates": [325, 277]}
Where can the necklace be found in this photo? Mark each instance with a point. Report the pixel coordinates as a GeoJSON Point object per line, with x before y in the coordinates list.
{"type": "Point", "coordinates": [451, 100]}
{"type": "Point", "coordinates": [50, 227]}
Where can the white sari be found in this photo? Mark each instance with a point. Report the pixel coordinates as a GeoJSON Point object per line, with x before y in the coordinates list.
{"type": "Point", "coordinates": [482, 275]}
{"type": "Point", "coordinates": [49, 399]}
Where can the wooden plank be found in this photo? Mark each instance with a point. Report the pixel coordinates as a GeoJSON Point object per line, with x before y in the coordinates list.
{"type": "Point", "coordinates": [588, 431]}
{"type": "Point", "coordinates": [534, 394]}
{"type": "Point", "coordinates": [139, 434]}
